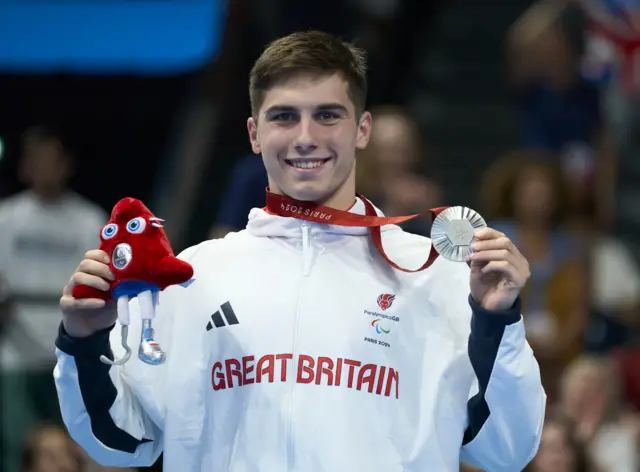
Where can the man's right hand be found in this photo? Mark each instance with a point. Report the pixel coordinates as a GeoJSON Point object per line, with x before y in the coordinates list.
{"type": "Point", "coordinates": [83, 317]}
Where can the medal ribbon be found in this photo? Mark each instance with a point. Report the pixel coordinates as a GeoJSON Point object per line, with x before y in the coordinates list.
{"type": "Point", "coordinates": [309, 211]}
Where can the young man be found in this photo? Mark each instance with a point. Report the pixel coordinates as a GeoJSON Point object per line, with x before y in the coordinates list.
{"type": "Point", "coordinates": [298, 347]}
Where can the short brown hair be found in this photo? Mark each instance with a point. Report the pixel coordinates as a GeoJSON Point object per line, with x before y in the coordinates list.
{"type": "Point", "coordinates": [40, 134]}
{"type": "Point", "coordinates": [310, 52]}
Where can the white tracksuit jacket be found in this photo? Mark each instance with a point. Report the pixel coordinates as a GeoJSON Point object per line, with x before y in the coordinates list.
{"type": "Point", "coordinates": [298, 348]}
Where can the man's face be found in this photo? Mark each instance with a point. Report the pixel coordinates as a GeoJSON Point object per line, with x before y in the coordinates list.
{"type": "Point", "coordinates": [45, 167]}
{"type": "Point", "coordinates": [395, 148]}
{"type": "Point", "coordinates": [307, 132]}
{"type": "Point", "coordinates": [55, 453]}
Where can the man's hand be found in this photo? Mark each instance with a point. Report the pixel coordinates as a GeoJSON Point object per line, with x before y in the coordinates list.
{"type": "Point", "coordinates": [498, 270]}
{"type": "Point", "coordinates": [83, 317]}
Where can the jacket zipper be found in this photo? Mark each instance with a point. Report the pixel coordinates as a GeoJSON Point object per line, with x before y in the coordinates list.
{"type": "Point", "coordinates": [306, 267]}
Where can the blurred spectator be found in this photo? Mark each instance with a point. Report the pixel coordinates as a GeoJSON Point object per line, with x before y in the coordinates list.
{"type": "Point", "coordinates": [245, 190]}
{"type": "Point", "coordinates": [49, 449]}
{"type": "Point", "coordinates": [615, 295]}
{"type": "Point", "coordinates": [560, 109]}
{"type": "Point", "coordinates": [617, 287]}
{"type": "Point", "coordinates": [390, 169]}
{"type": "Point", "coordinates": [591, 398]}
{"type": "Point", "coordinates": [527, 200]}
{"type": "Point", "coordinates": [559, 450]}
{"type": "Point", "coordinates": [611, 58]}
{"type": "Point", "coordinates": [46, 230]}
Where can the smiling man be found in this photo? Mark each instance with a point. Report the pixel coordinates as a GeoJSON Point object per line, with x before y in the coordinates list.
{"type": "Point", "coordinates": [300, 346]}
{"type": "Point", "coordinates": [307, 127]}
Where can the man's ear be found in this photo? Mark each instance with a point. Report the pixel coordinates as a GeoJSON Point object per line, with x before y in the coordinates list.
{"type": "Point", "coordinates": [364, 130]}
{"type": "Point", "coordinates": [252, 127]}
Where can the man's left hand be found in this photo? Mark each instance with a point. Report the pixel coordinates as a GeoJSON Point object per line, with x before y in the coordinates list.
{"type": "Point", "coordinates": [498, 270]}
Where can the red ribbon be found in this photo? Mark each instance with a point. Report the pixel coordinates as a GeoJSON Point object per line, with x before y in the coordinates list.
{"type": "Point", "coordinates": [309, 211]}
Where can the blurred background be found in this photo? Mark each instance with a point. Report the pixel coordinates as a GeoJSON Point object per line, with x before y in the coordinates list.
{"type": "Point", "coordinates": [526, 111]}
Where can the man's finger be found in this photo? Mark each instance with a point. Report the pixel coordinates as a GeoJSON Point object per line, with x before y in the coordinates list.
{"type": "Point", "coordinates": [511, 255]}
{"type": "Point", "coordinates": [80, 278]}
{"type": "Point", "coordinates": [488, 233]}
{"type": "Point", "coordinates": [97, 255]}
{"type": "Point", "coordinates": [69, 287]}
{"type": "Point", "coordinates": [93, 267]}
{"type": "Point", "coordinates": [504, 268]}
{"type": "Point", "coordinates": [68, 303]}
{"type": "Point", "coordinates": [494, 255]}
{"type": "Point", "coordinates": [501, 242]}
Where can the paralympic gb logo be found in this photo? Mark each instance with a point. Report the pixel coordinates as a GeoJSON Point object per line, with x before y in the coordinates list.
{"type": "Point", "coordinates": [379, 328]}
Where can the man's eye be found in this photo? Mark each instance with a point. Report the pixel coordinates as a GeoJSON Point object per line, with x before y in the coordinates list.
{"type": "Point", "coordinates": [284, 117]}
{"type": "Point", "coordinates": [327, 116]}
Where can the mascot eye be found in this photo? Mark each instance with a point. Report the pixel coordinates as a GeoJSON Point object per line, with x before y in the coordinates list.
{"type": "Point", "coordinates": [136, 225]}
{"type": "Point", "coordinates": [109, 231]}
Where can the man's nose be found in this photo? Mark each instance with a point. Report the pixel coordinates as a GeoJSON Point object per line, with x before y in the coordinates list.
{"type": "Point", "coordinates": [305, 142]}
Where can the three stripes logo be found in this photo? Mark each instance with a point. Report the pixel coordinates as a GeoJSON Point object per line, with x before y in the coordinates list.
{"type": "Point", "coordinates": [219, 317]}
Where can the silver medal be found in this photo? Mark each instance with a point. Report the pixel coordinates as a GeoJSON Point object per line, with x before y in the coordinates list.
{"type": "Point", "coordinates": [453, 232]}
{"type": "Point", "coordinates": [122, 256]}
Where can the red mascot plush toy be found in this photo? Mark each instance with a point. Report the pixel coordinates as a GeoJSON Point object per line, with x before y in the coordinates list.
{"type": "Point", "coordinates": [143, 264]}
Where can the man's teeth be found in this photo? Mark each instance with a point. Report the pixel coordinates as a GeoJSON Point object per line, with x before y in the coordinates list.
{"type": "Point", "coordinates": [307, 164]}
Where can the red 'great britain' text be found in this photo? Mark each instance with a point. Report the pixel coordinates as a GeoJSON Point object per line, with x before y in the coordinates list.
{"type": "Point", "coordinates": [305, 369]}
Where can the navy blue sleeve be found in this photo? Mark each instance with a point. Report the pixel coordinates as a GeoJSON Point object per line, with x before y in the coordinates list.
{"type": "Point", "coordinates": [97, 389]}
{"type": "Point", "coordinates": [487, 330]}
{"type": "Point", "coordinates": [506, 406]}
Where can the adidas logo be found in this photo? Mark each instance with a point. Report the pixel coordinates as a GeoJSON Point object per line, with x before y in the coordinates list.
{"type": "Point", "coordinates": [219, 317]}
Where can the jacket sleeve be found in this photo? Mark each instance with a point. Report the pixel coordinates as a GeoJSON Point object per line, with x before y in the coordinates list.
{"type": "Point", "coordinates": [507, 402]}
{"type": "Point", "coordinates": [98, 404]}
{"type": "Point", "coordinates": [116, 413]}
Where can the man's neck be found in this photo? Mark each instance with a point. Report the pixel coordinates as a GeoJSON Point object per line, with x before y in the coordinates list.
{"type": "Point", "coordinates": [48, 197]}
{"type": "Point", "coordinates": [344, 204]}
{"type": "Point", "coordinates": [337, 201]}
